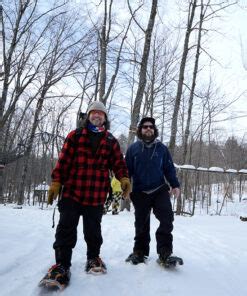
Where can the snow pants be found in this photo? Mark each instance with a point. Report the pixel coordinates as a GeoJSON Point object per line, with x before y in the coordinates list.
{"type": "Point", "coordinates": [66, 232]}
{"type": "Point", "coordinates": [160, 203]}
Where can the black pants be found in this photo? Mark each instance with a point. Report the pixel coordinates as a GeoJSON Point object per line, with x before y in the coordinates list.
{"type": "Point", "coordinates": [161, 204]}
{"type": "Point", "coordinates": [66, 233]}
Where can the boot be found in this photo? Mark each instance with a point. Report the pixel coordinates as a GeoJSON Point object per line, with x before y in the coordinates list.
{"type": "Point", "coordinates": [58, 273]}
{"type": "Point", "coordinates": [163, 257]}
{"type": "Point", "coordinates": [95, 266]}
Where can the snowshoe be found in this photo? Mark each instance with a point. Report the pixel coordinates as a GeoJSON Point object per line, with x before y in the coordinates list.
{"type": "Point", "coordinates": [95, 266]}
{"type": "Point", "coordinates": [57, 278]}
{"type": "Point", "coordinates": [169, 261]}
{"type": "Point", "coordinates": [244, 219]}
{"type": "Point", "coordinates": [136, 258]}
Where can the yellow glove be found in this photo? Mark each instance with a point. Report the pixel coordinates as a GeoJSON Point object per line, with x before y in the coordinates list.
{"type": "Point", "coordinates": [53, 192]}
{"type": "Point", "coordinates": [126, 187]}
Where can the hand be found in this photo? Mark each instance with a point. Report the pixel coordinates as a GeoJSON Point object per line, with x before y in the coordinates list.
{"type": "Point", "coordinates": [53, 192]}
{"type": "Point", "coordinates": [175, 192]}
{"type": "Point", "coordinates": [126, 187]}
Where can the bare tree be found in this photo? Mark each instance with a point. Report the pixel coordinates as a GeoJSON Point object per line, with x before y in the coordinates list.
{"type": "Point", "coordinates": [61, 61]}
{"type": "Point", "coordinates": [110, 47]}
{"type": "Point", "coordinates": [189, 28]}
{"type": "Point", "coordinates": [161, 73]}
{"type": "Point", "coordinates": [190, 105]}
{"type": "Point", "coordinates": [208, 11]}
{"type": "Point", "coordinates": [143, 72]}
{"type": "Point", "coordinates": [23, 34]}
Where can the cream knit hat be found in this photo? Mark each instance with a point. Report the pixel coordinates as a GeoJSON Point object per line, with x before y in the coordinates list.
{"type": "Point", "coordinates": [97, 106]}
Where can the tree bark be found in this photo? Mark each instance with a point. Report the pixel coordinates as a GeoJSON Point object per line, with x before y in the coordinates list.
{"type": "Point", "coordinates": [191, 97]}
{"type": "Point", "coordinates": [174, 123]}
{"type": "Point", "coordinates": [143, 74]}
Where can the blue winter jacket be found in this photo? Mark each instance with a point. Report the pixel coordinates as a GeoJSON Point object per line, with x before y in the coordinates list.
{"type": "Point", "coordinates": [150, 166]}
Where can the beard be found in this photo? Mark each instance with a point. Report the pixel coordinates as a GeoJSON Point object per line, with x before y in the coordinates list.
{"type": "Point", "coordinates": [148, 138]}
{"type": "Point", "coordinates": [97, 122]}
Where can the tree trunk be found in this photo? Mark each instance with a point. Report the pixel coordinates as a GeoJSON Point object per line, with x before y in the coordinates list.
{"type": "Point", "coordinates": [21, 192]}
{"type": "Point", "coordinates": [174, 124]}
{"type": "Point", "coordinates": [103, 51]}
{"type": "Point", "coordinates": [142, 75]}
{"type": "Point", "coordinates": [191, 98]}
{"type": "Point", "coordinates": [1, 102]}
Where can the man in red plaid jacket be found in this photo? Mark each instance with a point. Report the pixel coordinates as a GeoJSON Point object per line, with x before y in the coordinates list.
{"type": "Point", "coordinates": [82, 176]}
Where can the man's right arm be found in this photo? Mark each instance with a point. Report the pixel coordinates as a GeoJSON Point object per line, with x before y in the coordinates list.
{"type": "Point", "coordinates": [66, 156]}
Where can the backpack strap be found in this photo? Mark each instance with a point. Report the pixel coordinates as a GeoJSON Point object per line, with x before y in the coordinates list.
{"type": "Point", "coordinates": [110, 138]}
{"type": "Point", "coordinates": [77, 136]}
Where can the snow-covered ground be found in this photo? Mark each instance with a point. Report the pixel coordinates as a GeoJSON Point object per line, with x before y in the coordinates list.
{"type": "Point", "coordinates": [214, 249]}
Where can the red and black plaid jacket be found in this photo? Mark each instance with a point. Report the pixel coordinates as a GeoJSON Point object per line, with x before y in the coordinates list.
{"type": "Point", "coordinates": [84, 176]}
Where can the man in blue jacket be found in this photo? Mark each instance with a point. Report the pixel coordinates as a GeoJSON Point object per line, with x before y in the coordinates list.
{"type": "Point", "coordinates": [154, 178]}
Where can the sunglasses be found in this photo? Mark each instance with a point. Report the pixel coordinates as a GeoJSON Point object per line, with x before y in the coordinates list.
{"type": "Point", "coordinates": [148, 126]}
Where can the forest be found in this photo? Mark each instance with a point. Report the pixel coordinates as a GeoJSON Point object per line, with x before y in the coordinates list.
{"type": "Point", "coordinates": [140, 58]}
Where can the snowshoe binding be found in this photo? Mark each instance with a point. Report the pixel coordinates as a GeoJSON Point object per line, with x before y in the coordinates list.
{"type": "Point", "coordinates": [169, 261]}
{"type": "Point", "coordinates": [95, 266]}
{"type": "Point", "coordinates": [57, 278]}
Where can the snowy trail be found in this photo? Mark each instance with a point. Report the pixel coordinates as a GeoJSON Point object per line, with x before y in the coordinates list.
{"type": "Point", "coordinates": [213, 248]}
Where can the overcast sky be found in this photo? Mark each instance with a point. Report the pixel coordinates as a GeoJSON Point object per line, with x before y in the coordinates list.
{"type": "Point", "coordinates": [233, 77]}
{"type": "Point", "coordinates": [230, 70]}
{"type": "Point", "coordinates": [225, 46]}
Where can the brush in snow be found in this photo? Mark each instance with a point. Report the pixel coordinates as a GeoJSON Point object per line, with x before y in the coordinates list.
{"type": "Point", "coordinates": [95, 266]}
{"type": "Point", "coordinates": [57, 278]}
{"type": "Point", "coordinates": [170, 261]}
